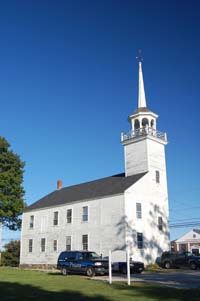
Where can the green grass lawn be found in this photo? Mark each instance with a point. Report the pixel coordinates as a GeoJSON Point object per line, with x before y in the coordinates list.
{"type": "Point", "coordinates": [24, 285]}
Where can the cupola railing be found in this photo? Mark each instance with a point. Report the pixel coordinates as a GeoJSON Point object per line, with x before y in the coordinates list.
{"type": "Point", "coordinates": [145, 131]}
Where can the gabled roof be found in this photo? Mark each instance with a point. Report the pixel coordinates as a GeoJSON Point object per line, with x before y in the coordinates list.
{"type": "Point", "coordinates": [86, 191]}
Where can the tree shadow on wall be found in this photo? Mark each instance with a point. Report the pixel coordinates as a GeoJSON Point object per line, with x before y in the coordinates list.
{"type": "Point", "coordinates": [127, 226]}
{"type": "Point", "coordinates": [18, 292]}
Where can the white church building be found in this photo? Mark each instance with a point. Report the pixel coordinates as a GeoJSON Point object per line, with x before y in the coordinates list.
{"type": "Point", "coordinates": [127, 211]}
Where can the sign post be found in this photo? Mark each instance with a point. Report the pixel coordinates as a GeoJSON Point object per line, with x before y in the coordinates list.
{"type": "Point", "coordinates": [110, 267]}
{"type": "Point", "coordinates": [128, 267]}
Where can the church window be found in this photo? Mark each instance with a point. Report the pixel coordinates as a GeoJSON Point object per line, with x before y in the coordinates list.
{"type": "Point", "coordinates": [55, 245]}
{"type": "Point", "coordinates": [160, 223]}
{"type": "Point", "coordinates": [152, 123]}
{"type": "Point", "coordinates": [31, 224]}
{"type": "Point", "coordinates": [43, 244]}
{"type": "Point", "coordinates": [140, 240]}
{"type": "Point", "coordinates": [69, 216]}
{"type": "Point", "coordinates": [138, 210]}
{"type": "Point", "coordinates": [30, 245]}
{"type": "Point", "coordinates": [85, 214]}
{"type": "Point", "coordinates": [85, 242]}
{"type": "Point", "coordinates": [55, 219]}
{"type": "Point", "coordinates": [157, 176]}
{"type": "Point", "coordinates": [68, 243]}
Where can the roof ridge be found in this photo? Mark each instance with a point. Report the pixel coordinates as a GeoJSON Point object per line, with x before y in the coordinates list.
{"type": "Point", "coordinates": [98, 188]}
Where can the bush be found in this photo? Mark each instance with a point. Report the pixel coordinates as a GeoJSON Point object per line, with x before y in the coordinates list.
{"type": "Point", "coordinates": [10, 257]}
{"type": "Point", "coordinates": [154, 267]}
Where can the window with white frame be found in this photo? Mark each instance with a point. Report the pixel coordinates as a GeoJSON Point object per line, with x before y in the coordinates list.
{"type": "Point", "coordinates": [30, 245]}
{"type": "Point", "coordinates": [43, 244]}
{"type": "Point", "coordinates": [55, 245]}
{"type": "Point", "coordinates": [69, 216]}
{"type": "Point", "coordinates": [85, 242]}
{"type": "Point", "coordinates": [55, 218]}
{"type": "Point", "coordinates": [160, 223]}
{"type": "Point", "coordinates": [157, 176]}
{"type": "Point", "coordinates": [138, 210]}
{"type": "Point", "coordinates": [85, 214]}
{"type": "Point", "coordinates": [140, 240]}
{"type": "Point", "coordinates": [68, 243]}
{"type": "Point", "coordinates": [31, 223]}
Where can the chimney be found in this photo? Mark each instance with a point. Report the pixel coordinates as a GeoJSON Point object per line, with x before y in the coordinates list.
{"type": "Point", "coordinates": [59, 184]}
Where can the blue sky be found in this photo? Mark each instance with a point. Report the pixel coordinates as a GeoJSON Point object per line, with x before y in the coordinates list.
{"type": "Point", "coordinates": [68, 81]}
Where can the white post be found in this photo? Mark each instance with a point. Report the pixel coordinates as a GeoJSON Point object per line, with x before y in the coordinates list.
{"type": "Point", "coordinates": [0, 240]}
{"type": "Point", "coordinates": [110, 267]}
{"type": "Point", "coordinates": [128, 267]}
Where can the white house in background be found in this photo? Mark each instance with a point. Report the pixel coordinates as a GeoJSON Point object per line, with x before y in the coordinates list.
{"type": "Point", "coordinates": [120, 212]}
{"type": "Point", "coordinates": [188, 242]}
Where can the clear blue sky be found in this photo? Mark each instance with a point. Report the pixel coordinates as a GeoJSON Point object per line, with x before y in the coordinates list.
{"type": "Point", "coordinates": [68, 81]}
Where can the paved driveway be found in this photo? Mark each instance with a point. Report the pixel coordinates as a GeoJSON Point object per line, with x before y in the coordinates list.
{"type": "Point", "coordinates": [178, 279]}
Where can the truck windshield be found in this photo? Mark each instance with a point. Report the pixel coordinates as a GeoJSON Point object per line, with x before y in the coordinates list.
{"type": "Point", "coordinates": [92, 255]}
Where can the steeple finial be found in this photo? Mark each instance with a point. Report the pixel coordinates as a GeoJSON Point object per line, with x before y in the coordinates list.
{"type": "Point", "coordinates": [141, 92]}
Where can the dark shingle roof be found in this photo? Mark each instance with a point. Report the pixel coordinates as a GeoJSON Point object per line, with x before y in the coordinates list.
{"type": "Point", "coordinates": [85, 191]}
{"type": "Point", "coordinates": [197, 230]}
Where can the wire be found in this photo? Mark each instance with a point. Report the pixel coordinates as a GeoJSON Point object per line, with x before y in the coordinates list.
{"type": "Point", "coordinates": [196, 224]}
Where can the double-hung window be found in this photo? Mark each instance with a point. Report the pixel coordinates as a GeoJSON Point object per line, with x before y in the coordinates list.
{"type": "Point", "coordinates": [85, 242]}
{"type": "Point", "coordinates": [157, 176]}
{"type": "Point", "coordinates": [69, 216]}
{"type": "Point", "coordinates": [85, 214]}
{"type": "Point", "coordinates": [68, 243]}
{"type": "Point", "coordinates": [43, 244]}
{"type": "Point", "coordinates": [55, 218]}
{"type": "Point", "coordinates": [30, 245]}
{"type": "Point", "coordinates": [140, 240]}
{"type": "Point", "coordinates": [55, 245]}
{"type": "Point", "coordinates": [160, 223]}
{"type": "Point", "coordinates": [31, 224]}
{"type": "Point", "coordinates": [138, 210]}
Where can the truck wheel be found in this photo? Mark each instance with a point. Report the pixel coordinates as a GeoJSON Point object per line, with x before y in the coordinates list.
{"type": "Point", "coordinates": [64, 271]}
{"type": "Point", "coordinates": [193, 266]}
{"type": "Point", "coordinates": [167, 265]}
{"type": "Point", "coordinates": [90, 272]}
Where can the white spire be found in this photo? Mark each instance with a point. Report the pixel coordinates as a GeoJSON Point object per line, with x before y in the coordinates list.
{"type": "Point", "coordinates": [141, 92]}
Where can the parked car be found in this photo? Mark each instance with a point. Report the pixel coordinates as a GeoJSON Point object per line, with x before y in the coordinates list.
{"type": "Point", "coordinates": [121, 266]}
{"type": "Point", "coordinates": [82, 262]}
{"type": "Point", "coordinates": [179, 260]}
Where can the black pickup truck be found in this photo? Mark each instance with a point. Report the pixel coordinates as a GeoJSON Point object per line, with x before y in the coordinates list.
{"type": "Point", "coordinates": [121, 266]}
{"type": "Point", "coordinates": [180, 260]}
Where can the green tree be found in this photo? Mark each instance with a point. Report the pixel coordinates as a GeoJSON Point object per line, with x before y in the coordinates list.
{"type": "Point", "coordinates": [11, 189]}
{"type": "Point", "coordinates": [11, 254]}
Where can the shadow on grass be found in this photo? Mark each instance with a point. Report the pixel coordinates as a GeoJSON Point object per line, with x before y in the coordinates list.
{"type": "Point", "coordinates": [18, 292]}
{"type": "Point", "coordinates": [157, 293]}
{"type": "Point", "coordinates": [138, 292]}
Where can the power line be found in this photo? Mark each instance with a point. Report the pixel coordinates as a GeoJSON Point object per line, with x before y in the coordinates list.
{"type": "Point", "coordinates": [185, 219]}
{"type": "Point", "coordinates": [184, 225]}
{"type": "Point", "coordinates": [183, 209]}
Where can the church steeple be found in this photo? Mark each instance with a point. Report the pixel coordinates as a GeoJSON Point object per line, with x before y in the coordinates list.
{"type": "Point", "coordinates": [141, 91]}
{"type": "Point", "coordinates": [143, 136]}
